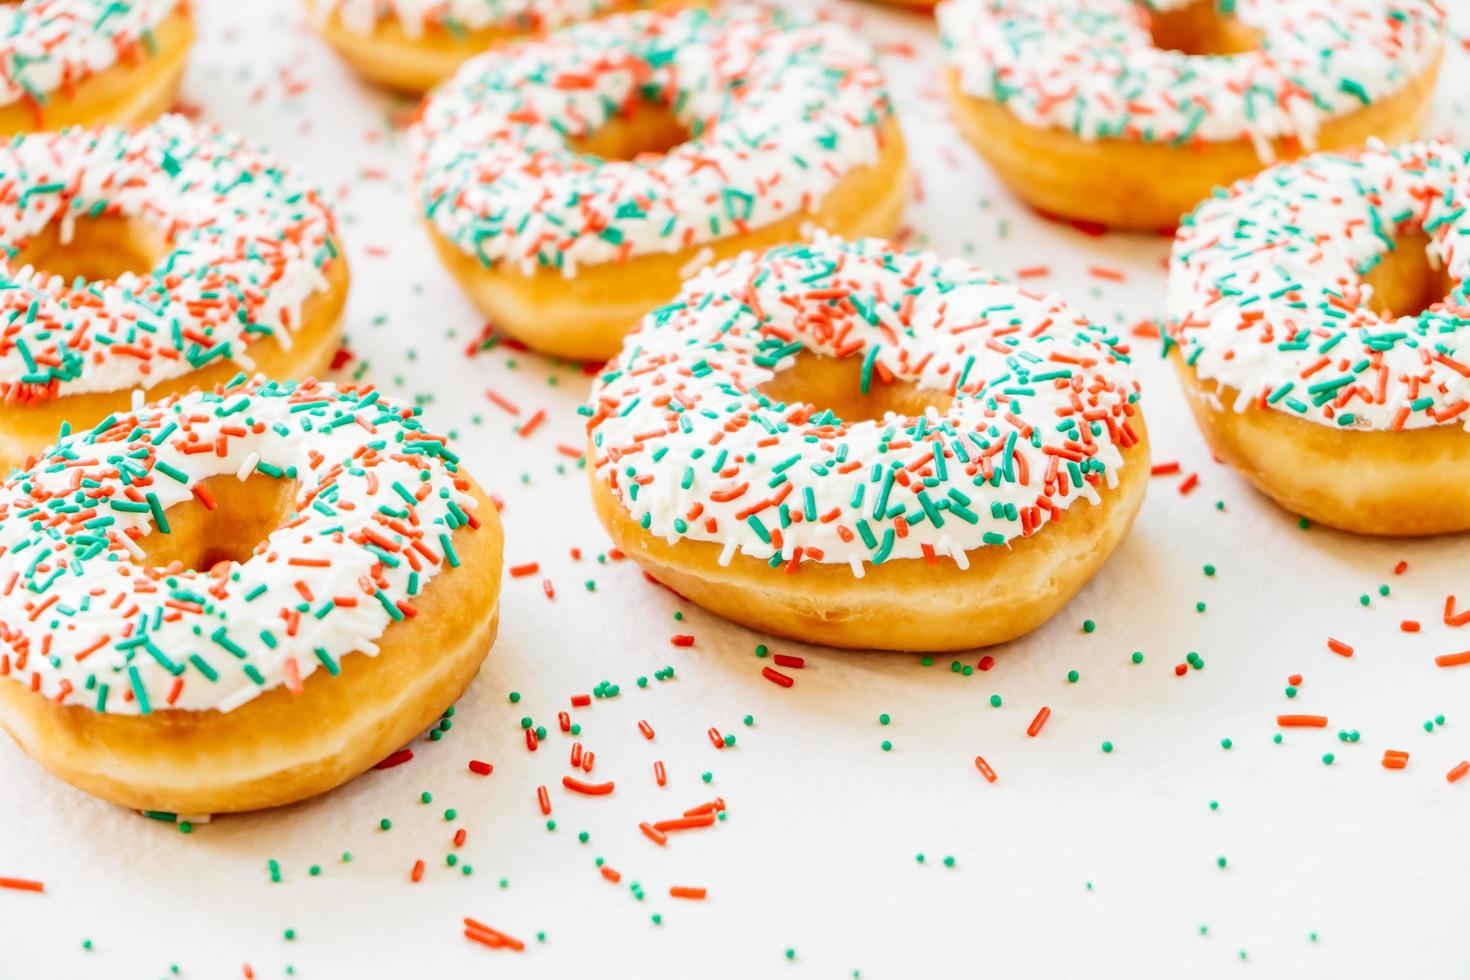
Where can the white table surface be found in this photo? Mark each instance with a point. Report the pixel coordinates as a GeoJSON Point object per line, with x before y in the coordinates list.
{"type": "Point", "coordinates": [1075, 862]}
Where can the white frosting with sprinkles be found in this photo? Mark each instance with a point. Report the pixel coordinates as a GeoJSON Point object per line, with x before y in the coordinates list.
{"type": "Point", "coordinates": [1043, 404]}
{"type": "Point", "coordinates": [84, 621]}
{"type": "Point", "coordinates": [249, 242]}
{"type": "Point", "coordinates": [46, 45]}
{"type": "Point", "coordinates": [1266, 292]}
{"type": "Point", "coordinates": [1090, 67]}
{"type": "Point", "coordinates": [457, 16]}
{"type": "Point", "coordinates": [779, 114]}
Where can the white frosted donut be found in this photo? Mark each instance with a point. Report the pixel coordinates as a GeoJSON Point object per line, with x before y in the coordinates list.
{"type": "Point", "coordinates": [1112, 111]}
{"type": "Point", "coordinates": [779, 124]}
{"type": "Point", "coordinates": [125, 622]}
{"type": "Point", "coordinates": [1320, 310]}
{"type": "Point", "coordinates": [65, 62]}
{"type": "Point", "coordinates": [238, 267]}
{"type": "Point", "coordinates": [1027, 434]}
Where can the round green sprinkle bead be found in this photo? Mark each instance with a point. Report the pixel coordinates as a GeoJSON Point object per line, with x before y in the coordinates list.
{"type": "Point", "coordinates": [1214, 804]}
{"type": "Point", "coordinates": [526, 722]}
{"type": "Point", "coordinates": [450, 813]}
{"type": "Point", "coordinates": [1225, 743]}
{"type": "Point", "coordinates": [451, 859]}
{"type": "Point", "coordinates": [290, 934]}
{"type": "Point", "coordinates": [919, 857]}
{"type": "Point", "coordinates": [886, 745]}
{"type": "Point", "coordinates": [515, 697]}
{"type": "Point", "coordinates": [1107, 746]}
{"type": "Point", "coordinates": [949, 861]}
{"type": "Point", "coordinates": [551, 825]}
{"type": "Point", "coordinates": [761, 650]}
{"type": "Point", "coordinates": [576, 728]}
{"type": "Point", "coordinates": [1327, 759]}
{"type": "Point", "coordinates": [1290, 691]}
{"type": "Point", "coordinates": [1220, 861]}
{"type": "Point", "coordinates": [748, 720]}
{"type": "Point", "coordinates": [385, 824]}
{"type": "Point", "coordinates": [1073, 677]}
{"type": "Point", "coordinates": [707, 776]}
{"type": "Point", "coordinates": [314, 870]}
{"type": "Point", "coordinates": [583, 836]}
{"type": "Point", "coordinates": [426, 797]}
{"type": "Point", "coordinates": [995, 700]}
{"type": "Point", "coordinates": [791, 954]}
{"type": "Point", "coordinates": [1210, 571]}
{"type": "Point", "coordinates": [1276, 738]}
{"type": "Point", "coordinates": [1088, 626]}
{"type": "Point", "coordinates": [1137, 656]}
{"type": "Point", "coordinates": [87, 945]}
{"type": "Point", "coordinates": [657, 919]}
{"type": "Point", "coordinates": [884, 719]}
{"type": "Point", "coordinates": [346, 857]}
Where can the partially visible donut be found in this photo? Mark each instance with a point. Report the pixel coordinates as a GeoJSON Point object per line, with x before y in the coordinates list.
{"type": "Point", "coordinates": [90, 62]}
{"type": "Point", "coordinates": [160, 259]}
{"type": "Point", "coordinates": [413, 45]}
{"type": "Point", "coordinates": [1321, 327]}
{"type": "Point", "coordinates": [863, 447]}
{"type": "Point", "coordinates": [1107, 111]}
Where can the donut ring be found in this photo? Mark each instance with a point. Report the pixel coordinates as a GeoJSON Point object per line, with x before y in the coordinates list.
{"type": "Point", "coordinates": [412, 46]}
{"type": "Point", "coordinates": [348, 573]}
{"type": "Point", "coordinates": [88, 62]}
{"type": "Point", "coordinates": [1321, 327]}
{"type": "Point", "coordinates": [228, 261]}
{"type": "Point", "coordinates": [995, 457]}
{"type": "Point", "coordinates": [1092, 110]}
{"type": "Point", "coordinates": [564, 249]}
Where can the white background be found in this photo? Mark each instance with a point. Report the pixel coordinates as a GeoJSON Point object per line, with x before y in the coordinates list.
{"type": "Point", "coordinates": [1074, 862]}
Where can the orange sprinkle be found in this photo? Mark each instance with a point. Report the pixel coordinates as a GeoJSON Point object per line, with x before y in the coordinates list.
{"type": "Point", "coordinates": [532, 423]}
{"type": "Point", "coordinates": [657, 836]}
{"type": "Point", "coordinates": [610, 874]}
{"type": "Point", "coordinates": [683, 891]}
{"type": "Point", "coordinates": [418, 871]}
{"type": "Point", "coordinates": [22, 885]}
{"type": "Point", "coordinates": [1453, 659]}
{"type": "Point", "coordinates": [590, 789]}
{"type": "Point", "coordinates": [1338, 647]}
{"type": "Point", "coordinates": [1455, 774]}
{"type": "Point", "coordinates": [1041, 716]}
{"type": "Point", "coordinates": [481, 933]}
{"type": "Point", "coordinates": [1302, 721]}
{"type": "Point", "coordinates": [685, 823]}
{"type": "Point", "coordinates": [658, 773]}
{"type": "Point", "coordinates": [1395, 759]}
{"type": "Point", "coordinates": [529, 568]}
{"type": "Point", "coordinates": [1409, 626]}
{"type": "Point", "coordinates": [985, 769]}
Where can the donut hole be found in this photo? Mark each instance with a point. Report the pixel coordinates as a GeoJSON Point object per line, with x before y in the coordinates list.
{"type": "Point", "coordinates": [1405, 281]}
{"type": "Point", "coordinates": [1202, 29]}
{"type": "Point", "coordinates": [836, 384]}
{"type": "Point", "coordinates": [648, 128]}
{"type": "Point", "coordinates": [245, 513]}
{"type": "Point", "coordinates": [98, 249]}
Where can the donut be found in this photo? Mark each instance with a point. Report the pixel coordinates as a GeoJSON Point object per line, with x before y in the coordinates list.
{"type": "Point", "coordinates": [1108, 112]}
{"type": "Point", "coordinates": [851, 445]}
{"type": "Point", "coordinates": [239, 598]}
{"type": "Point", "coordinates": [413, 45]}
{"type": "Point", "coordinates": [90, 62]}
{"type": "Point", "coordinates": [159, 259]}
{"type": "Point", "coordinates": [545, 192]}
{"type": "Point", "coordinates": [1320, 325]}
